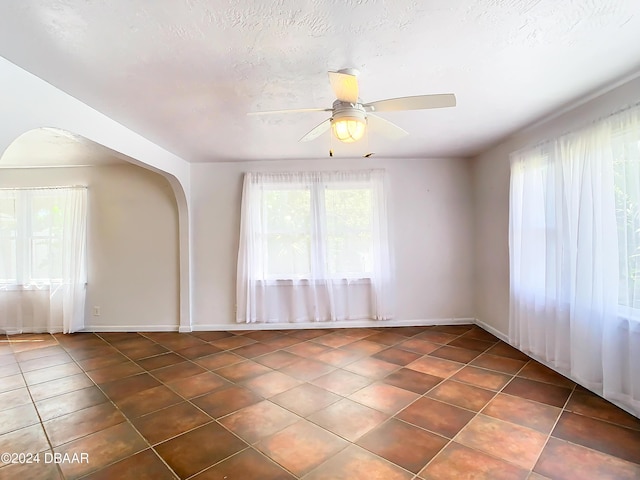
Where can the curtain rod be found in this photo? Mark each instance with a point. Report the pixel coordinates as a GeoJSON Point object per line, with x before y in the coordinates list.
{"type": "Point", "coordinates": [44, 188]}
{"type": "Point", "coordinates": [577, 129]}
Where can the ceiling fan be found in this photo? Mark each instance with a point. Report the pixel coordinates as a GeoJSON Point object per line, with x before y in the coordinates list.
{"type": "Point", "coordinates": [350, 116]}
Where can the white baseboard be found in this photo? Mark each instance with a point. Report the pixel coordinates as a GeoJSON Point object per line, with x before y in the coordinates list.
{"type": "Point", "coordinates": [492, 330]}
{"type": "Point", "coordinates": [337, 324]}
{"type": "Point", "coordinates": [130, 328]}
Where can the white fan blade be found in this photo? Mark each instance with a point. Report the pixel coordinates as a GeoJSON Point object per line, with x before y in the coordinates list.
{"type": "Point", "coordinates": [418, 102]}
{"type": "Point", "coordinates": [385, 127]}
{"type": "Point", "coordinates": [317, 131]}
{"type": "Point", "coordinates": [345, 86]}
{"type": "Point", "coordinates": [294, 110]}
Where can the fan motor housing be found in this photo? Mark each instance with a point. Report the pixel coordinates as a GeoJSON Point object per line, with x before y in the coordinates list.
{"type": "Point", "coordinates": [342, 110]}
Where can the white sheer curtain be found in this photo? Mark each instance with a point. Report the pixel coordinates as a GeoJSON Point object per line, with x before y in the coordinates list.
{"type": "Point", "coordinates": [573, 250]}
{"type": "Point", "coordinates": [42, 259]}
{"type": "Point", "coordinates": [314, 247]}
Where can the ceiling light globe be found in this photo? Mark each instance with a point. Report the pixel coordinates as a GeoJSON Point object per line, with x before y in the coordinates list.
{"type": "Point", "coordinates": [348, 129]}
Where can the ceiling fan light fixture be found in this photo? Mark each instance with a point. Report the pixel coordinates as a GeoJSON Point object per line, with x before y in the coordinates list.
{"type": "Point", "coordinates": [348, 129]}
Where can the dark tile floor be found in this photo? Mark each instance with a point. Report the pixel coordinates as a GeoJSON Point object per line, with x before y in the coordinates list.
{"type": "Point", "coordinates": [447, 402]}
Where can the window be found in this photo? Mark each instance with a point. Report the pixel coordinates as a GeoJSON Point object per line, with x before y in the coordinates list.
{"type": "Point", "coordinates": [32, 235]}
{"type": "Point", "coordinates": [321, 231]}
{"type": "Point", "coordinates": [324, 230]}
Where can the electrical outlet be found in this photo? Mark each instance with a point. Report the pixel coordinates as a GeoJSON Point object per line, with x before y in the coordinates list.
{"type": "Point", "coordinates": [96, 311]}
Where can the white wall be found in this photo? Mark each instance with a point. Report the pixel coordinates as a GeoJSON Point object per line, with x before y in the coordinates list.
{"type": "Point", "coordinates": [490, 173]}
{"type": "Point", "coordinates": [431, 212]}
{"type": "Point", "coordinates": [133, 263]}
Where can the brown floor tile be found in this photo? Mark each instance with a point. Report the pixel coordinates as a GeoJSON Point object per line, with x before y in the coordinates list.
{"type": "Point", "coordinates": [499, 364]}
{"type": "Point", "coordinates": [114, 372]}
{"type": "Point", "coordinates": [513, 443]}
{"type": "Point", "coordinates": [278, 359]}
{"type": "Point", "coordinates": [60, 386]}
{"type": "Point", "coordinates": [29, 440]}
{"type": "Point", "coordinates": [14, 398]}
{"type": "Point", "coordinates": [307, 370]}
{"type": "Point", "coordinates": [229, 343]}
{"type": "Point", "coordinates": [159, 361]}
{"type": "Point", "coordinates": [198, 449]}
{"type": "Point", "coordinates": [338, 357]}
{"type": "Point", "coordinates": [436, 416]}
{"type": "Point", "coordinates": [565, 461]}
{"type": "Point", "coordinates": [591, 405]}
{"type": "Point", "coordinates": [179, 341]}
{"type": "Point", "coordinates": [456, 354]}
{"type": "Point", "coordinates": [480, 334]}
{"type": "Point", "coordinates": [103, 448]}
{"type": "Point", "coordinates": [74, 425]}
{"type": "Point", "coordinates": [219, 360]}
{"type": "Point", "coordinates": [536, 371]}
{"type": "Point", "coordinates": [461, 395]}
{"type": "Point", "coordinates": [505, 350]}
{"type": "Point", "coordinates": [125, 387]}
{"type": "Point", "coordinates": [334, 340]}
{"type": "Point", "coordinates": [239, 372]}
{"type": "Point", "coordinates": [435, 366]}
{"type": "Point", "coordinates": [434, 336]}
{"type": "Point", "coordinates": [179, 370]}
{"type": "Point", "coordinates": [457, 462]}
{"type": "Point", "coordinates": [524, 412]}
{"type": "Point", "coordinates": [10, 369]}
{"type": "Point", "coordinates": [412, 380]}
{"type": "Point", "coordinates": [45, 362]}
{"type": "Point", "coordinates": [386, 337]}
{"type": "Point", "coordinates": [262, 335]}
{"type": "Point", "coordinates": [96, 363]}
{"type": "Point", "coordinates": [342, 382]}
{"type": "Point", "coordinates": [308, 349]}
{"type": "Point", "coordinates": [453, 329]}
{"type": "Point", "coordinates": [389, 441]}
{"type": "Point", "coordinates": [148, 401]}
{"type": "Point", "coordinates": [397, 356]}
{"type": "Point", "coordinates": [11, 382]}
{"type": "Point", "coordinates": [70, 402]}
{"type": "Point", "coordinates": [363, 347]}
{"type": "Point", "coordinates": [538, 391]}
{"type": "Point", "coordinates": [384, 398]}
{"type": "Point", "coordinates": [602, 436]}
{"type": "Point", "coordinates": [198, 351]}
{"type": "Point", "coordinates": [416, 345]}
{"type": "Point", "coordinates": [471, 344]}
{"type": "Point", "coordinates": [372, 368]}
{"type": "Point", "coordinates": [308, 334]}
{"type": "Point", "coordinates": [25, 351]}
{"type": "Point", "coordinates": [246, 465]}
{"type": "Point", "coordinates": [94, 351]}
{"type": "Point", "coordinates": [348, 419]}
{"type": "Point", "coordinates": [225, 401]}
{"type": "Point", "coordinates": [301, 447]}
{"type": "Point", "coordinates": [355, 463]}
{"type": "Point", "coordinates": [305, 399]}
{"type": "Point", "coordinates": [482, 378]}
{"type": "Point", "coordinates": [18, 417]}
{"type": "Point", "coordinates": [271, 384]}
{"type": "Point", "coordinates": [197, 385]}
{"type": "Point", "coordinates": [31, 471]}
{"type": "Point", "coordinates": [163, 424]}
{"type": "Point", "coordinates": [254, 350]}
{"type": "Point", "coordinates": [142, 350]}
{"type": "Point", "coordinates": [258, 421]}
{"type": "Point", "coordinates": [51, 373]}
{"type": "Point", "coordinates": [145, 465]}
{"type": "Point", "coordinates": [211, 336]}
{"type": "Point", "coordinates": [282, 342]}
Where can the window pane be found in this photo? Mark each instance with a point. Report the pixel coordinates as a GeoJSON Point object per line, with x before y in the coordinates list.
{"type": "Point", "coordinates": [349, 231]}
{"type": "Point", "coordinates": [8, 260]}
{"type": "Point", "coordinates": [288, 232]}
{"type": "Point", "coordinates": [46, 259]}
{"type": "Point", "coordinates": [46, 215]}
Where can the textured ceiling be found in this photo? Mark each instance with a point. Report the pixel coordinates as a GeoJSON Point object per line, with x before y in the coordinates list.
{"type": "Point", "coordinates": [184, 73]}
